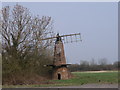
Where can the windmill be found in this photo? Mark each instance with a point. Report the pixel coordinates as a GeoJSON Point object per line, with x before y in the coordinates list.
{"type": "Point", "coordinates": [60, 69]}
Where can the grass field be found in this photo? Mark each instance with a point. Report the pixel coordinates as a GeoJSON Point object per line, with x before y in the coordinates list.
{"type": "Point", "coordinates": [80, 78]}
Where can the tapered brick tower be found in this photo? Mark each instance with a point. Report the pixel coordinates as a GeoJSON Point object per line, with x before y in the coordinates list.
{"type": "Point", "coordinates": [60, 70]}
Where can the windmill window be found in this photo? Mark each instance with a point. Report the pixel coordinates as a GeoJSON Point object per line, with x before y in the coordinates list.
{"type": "Point", "coordinates": [59, 54]}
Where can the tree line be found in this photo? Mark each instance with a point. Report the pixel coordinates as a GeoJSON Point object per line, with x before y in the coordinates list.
{"type": "Point", "coordinates": [94, 66]}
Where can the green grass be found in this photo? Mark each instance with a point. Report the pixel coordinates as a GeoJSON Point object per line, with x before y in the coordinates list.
{"type": "Point", "coordinates": [80, 78]}
{"type": "Point", "coordinates": [84, 78]}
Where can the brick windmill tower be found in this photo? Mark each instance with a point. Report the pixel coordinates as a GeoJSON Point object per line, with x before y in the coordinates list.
{"type": "Point", "coordinates": [60, 69]}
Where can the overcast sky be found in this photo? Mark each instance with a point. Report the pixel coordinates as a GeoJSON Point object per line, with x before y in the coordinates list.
{"type": "Point", "coordinates": [96, 21]}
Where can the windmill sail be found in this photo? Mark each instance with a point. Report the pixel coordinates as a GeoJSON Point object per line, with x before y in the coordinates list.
{"type": "Point", "coordinates": [67, 38]}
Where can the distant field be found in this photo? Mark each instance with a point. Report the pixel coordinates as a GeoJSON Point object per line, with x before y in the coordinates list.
{"type": "Point", "coordinates": [80, 78]}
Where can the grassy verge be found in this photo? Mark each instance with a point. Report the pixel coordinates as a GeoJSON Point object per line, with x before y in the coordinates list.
{"type": "Point", "coordinates": [80, 78]}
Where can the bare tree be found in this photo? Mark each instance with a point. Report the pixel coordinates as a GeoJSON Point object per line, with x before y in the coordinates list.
{"type": "Point", "coordinates": [21, 42]}
{"type": "Point", "coordinates": [93, 62]}
{"type": "Point", "coordinates": [84, 62]}
{"type": "Point", "coordinates": [103, 61]}
{"type": "Point", "coordinates": [21, 32]}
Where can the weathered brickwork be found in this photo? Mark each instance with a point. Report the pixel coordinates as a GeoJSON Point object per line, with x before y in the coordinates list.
{"type": "Point", "coordinates": [60, 71]}
{"type": "Point", "coordinates": [59, 56]}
